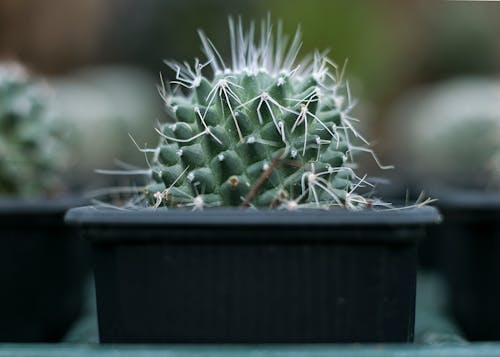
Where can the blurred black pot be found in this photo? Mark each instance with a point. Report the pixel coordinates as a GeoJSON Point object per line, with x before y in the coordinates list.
{"type": "Point", "coordinates": [42, 270]}
{"type": "Point", "coordinates": [470, 258]}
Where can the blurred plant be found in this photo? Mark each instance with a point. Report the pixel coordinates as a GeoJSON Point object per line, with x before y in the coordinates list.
{"type": "Point", "coordinates": [31, 145]}
{"type": "Point", "coordinates": [104, 104]}
{"type": "Point", "coordinates": [262, 130]}
{"type": "Point", "coordinates": [451, 132]}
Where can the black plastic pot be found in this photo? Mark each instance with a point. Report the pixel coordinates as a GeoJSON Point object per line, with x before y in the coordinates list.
{"type": "Point", "coordinates": [42, 271]}
{"type": "Point", "coordinates": [470, 255]}
{"type": "Point", "coordinates": [241, 276]}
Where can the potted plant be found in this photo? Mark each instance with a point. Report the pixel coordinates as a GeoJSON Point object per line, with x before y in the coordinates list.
{"type": "Point", "coordinates": [462, 155]}
{"type": "Point", "coordinates": [301, 256]}
{"type": "Point", "coordinates": [41, 271]}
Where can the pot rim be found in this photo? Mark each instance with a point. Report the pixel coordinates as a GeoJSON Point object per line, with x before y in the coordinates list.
{"type": "Point", "coordinates": [106, 216]}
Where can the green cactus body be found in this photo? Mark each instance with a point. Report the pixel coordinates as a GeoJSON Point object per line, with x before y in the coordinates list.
{"type": "Point", "coordinates": [264, 131]}
{"type": "Point", "coordinates": [28, 138]}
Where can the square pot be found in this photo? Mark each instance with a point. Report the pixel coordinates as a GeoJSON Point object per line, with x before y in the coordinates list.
{"type": "Point", "coordinates": [246, 276]}
{"type": "Point", "coordinates": [42, 270]}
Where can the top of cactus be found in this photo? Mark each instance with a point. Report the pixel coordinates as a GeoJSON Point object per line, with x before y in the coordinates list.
{"type": "Point", "coordinates": [272, 55]}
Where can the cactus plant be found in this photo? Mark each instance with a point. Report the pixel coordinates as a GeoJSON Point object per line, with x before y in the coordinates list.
{"type": "Point", "coordinates": [29, 139]}
{"type": "Point", "coordinates": [463, 147]}
{"type": "Point", "coordinates": [102, 104]}
{"type": "Point", "coordinates": [261, 130]}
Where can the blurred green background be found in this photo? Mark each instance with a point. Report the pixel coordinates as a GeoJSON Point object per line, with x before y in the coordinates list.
{"type": "Point", "coordinates": [98, 48]}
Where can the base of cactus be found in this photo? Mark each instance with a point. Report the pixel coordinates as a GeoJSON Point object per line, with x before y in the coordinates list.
{"type": "Point", "coordinates": [241, 276]}
{"type": "Point", "coordinates": [470, 255]}
{"type": "Point", "coordinates": [42, 271]}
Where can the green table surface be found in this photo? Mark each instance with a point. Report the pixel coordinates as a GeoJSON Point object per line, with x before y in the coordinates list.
{"type": "Point", "coordinates": [412, 350]}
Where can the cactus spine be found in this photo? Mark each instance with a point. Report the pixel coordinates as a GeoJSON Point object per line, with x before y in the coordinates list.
{"type": "Point", "coordinates": [263, 130]}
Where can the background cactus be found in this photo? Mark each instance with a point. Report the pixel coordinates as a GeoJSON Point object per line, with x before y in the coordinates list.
{"type": "Point", "coordinates": [29, 139]}
{"type": "Point", "coordinates": [263, 130]}
{"type": "Point", "coordinates": [102, 104]}
{"type": "Point", "coordinates": [450, 132]}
